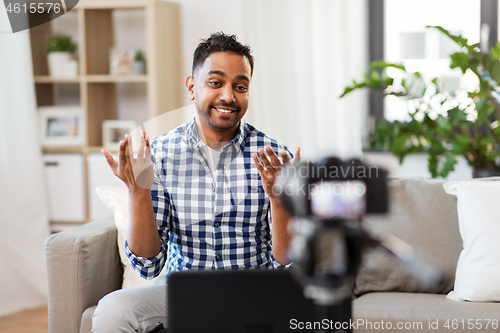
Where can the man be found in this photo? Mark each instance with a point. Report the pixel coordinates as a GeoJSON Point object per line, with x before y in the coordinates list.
{"type": "Point", "coordinates": [206, 202]}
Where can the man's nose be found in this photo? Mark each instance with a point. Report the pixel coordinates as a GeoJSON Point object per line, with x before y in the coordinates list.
{"type": "Point", "coordinates": [227, 94]}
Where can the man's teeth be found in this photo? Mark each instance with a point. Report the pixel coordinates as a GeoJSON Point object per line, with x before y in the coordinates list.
{"type": "Point", "coordinates": [224, 111]}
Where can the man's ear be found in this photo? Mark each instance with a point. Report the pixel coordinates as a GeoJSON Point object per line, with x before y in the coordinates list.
{"type": "Point", "coordinates": [190, 86]}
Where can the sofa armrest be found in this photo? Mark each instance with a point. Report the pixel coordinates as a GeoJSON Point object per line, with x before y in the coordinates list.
{"type": "Point", "coordinates": [83, 265]}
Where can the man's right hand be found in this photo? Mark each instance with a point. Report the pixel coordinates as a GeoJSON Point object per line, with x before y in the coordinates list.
{"type": "Point", "coordinates": [133, 171]}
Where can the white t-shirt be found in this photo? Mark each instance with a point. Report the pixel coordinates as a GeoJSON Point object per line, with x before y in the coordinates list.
{"type": "Point", "coordinates": [212, 157]}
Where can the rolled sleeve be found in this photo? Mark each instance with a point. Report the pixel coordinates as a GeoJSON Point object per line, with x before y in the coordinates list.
{"type": "Point", "coordinates": [148, 268]}
{"type": "Point", "coordinates": [277, 265]}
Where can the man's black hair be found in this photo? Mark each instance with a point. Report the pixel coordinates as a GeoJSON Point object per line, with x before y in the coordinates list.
{"type": "Point", "coordinates": [220, 42]}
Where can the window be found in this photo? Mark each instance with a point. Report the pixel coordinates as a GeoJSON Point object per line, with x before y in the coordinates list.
{"type": "Point", "coordinates": [398, 34]}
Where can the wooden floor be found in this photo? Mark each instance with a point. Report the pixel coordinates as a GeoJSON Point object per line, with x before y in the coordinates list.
{"type": "Point", "coordinates": [28, 321]}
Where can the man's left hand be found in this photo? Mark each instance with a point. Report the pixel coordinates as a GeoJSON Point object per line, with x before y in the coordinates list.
{"type": "Point", "coordinates": [270, 166]}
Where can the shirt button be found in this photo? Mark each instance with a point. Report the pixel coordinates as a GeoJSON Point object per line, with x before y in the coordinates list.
{"type": "Point", "coordinates": [213, 189]}
{"type": "Point", "coordinates": [217, 224]}
{"type": "Point", "coordinates": [218, 257]}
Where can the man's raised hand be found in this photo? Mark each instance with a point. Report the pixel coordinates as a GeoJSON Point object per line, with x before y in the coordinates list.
{"type": "Point", "coordinates": [133, 171]}
{"type": "Point", "coordinates": [271, 166]}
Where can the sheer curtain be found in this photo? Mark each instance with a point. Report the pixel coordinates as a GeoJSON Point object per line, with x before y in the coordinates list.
{"type": "Point", "coordinates": [23, 208]}
{"type": "Point", "coordinates": [306, 52]}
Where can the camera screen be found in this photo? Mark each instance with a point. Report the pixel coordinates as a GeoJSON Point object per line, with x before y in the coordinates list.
{"type": "Point", "coordinates": [338, 199]}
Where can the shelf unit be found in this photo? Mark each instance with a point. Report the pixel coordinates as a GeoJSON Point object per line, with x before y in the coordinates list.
{"type": "Point", "coordinates": [97, 90]}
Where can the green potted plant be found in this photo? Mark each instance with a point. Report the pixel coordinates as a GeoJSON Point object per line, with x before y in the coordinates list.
{"type": "Point", "coordinates": [139, 66]}
{"type": "Point", "coordinates": [442, 124]}
{"type": "Point", "coordinates": [59, 49]}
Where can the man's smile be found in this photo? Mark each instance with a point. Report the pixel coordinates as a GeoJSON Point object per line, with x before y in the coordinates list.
{"type": "Point", "coordinates": [224, 110]}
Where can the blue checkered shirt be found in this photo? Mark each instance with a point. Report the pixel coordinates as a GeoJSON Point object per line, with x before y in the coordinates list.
{"type": "Point", "coordinates": [205, 222]}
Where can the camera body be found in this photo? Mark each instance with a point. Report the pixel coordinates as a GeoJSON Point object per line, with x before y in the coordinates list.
{"type": "Point", "coordinates": [333, 189]}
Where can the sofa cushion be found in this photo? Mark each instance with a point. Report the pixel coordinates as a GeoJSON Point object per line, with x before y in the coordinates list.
{"type": "Point", "coordinates": [478, 269]}
{"type": "Point", "coordinates": [414, 309]}
{"type": "Point", "coordinates": [425, 217]}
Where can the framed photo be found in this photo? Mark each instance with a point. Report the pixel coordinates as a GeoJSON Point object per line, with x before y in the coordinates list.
{"type": "Point", "coordinates": [120, 62]}
{"type": "Point", "coordinates": [113, 131]}
{"type": "Point", "coordinates": [61, 126]}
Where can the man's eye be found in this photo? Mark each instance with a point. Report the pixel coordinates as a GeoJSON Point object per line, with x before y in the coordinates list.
{"type": "Point", "coordinates": [241, 88]}
{"type": "Point", "coordinates": [214, 83]}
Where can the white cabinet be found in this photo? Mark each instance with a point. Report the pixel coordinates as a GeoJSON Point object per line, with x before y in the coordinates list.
{"type": "Point", "coordinates": [64, 174]}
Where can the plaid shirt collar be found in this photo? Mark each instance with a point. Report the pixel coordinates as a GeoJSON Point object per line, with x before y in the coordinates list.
{"type": "Point", "coordinates": [238, 141]}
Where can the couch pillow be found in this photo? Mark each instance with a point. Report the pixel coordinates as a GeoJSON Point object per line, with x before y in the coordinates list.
{"type": "Point", "coordinates": [478, 269]}
{"type": "Point", "coordinates": [117, 200]}
{"type": "Point", "coordinates": [425, 217]}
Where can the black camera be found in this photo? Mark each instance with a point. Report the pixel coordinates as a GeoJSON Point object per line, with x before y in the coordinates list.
{"type": "Point", "coordinates": [328, 199]}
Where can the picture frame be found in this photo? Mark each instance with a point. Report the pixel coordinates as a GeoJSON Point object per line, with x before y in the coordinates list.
{"type": "Point", "coordinates": [61, 126]}
{"type": "Point", "coordinates": [120, 63]}
{"type": "Point", "coordinates": [113, 131]}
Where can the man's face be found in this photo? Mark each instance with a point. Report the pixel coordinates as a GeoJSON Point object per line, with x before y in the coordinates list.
{"type": "Point", "coordinates": [221, 89]}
